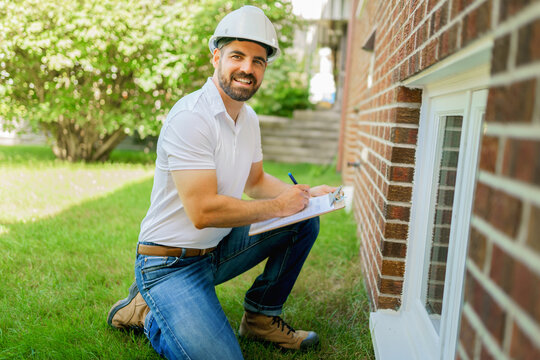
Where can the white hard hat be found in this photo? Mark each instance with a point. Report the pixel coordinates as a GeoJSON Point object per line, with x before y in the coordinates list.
{"type": "Point", "coordinates": [249, 23]}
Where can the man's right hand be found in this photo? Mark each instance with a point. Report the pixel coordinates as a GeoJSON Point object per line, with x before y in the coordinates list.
{"type": "Point", "coordinates": [293, 200]}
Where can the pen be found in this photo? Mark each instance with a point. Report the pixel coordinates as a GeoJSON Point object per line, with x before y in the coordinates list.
{"type": "Point", "coordinates": [293, 179]}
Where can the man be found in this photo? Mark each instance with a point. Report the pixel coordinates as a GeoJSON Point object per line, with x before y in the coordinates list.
{"type": "Point", "coordinates": [195, 234]}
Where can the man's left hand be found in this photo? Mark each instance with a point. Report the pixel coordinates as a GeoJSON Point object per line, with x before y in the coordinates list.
{"type": "Point", "coordinates": [321, 190]}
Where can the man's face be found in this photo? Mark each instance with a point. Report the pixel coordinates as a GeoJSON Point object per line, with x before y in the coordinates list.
{"type": "Point", "coordinates": [240, 69]}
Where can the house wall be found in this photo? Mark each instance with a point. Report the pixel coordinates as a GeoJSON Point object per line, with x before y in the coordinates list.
{"type": "Point", "coordinates": [501, 310]}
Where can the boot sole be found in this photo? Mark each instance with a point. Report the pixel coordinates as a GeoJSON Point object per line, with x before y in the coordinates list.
{"type": "Point", "coordinates": [133, 291]}
{"type": "Point", "coordinates": [306, 345]}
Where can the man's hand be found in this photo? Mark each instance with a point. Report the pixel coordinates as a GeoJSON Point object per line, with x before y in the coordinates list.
{"type": "Point", "coordinates": [321, 190]}
{"type": "Point", "coordinates": [293, 200]}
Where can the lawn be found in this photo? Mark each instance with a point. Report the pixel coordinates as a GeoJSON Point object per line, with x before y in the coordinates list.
{"type": "Point", "coordinates": [67, 238]}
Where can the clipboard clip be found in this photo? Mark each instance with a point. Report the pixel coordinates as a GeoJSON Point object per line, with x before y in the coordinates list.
{"type": "Point", "coordinates": [336, 195]}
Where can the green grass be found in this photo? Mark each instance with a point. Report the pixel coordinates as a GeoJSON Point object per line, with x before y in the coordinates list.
{"type": "Point", "coordinates": [67, 239]}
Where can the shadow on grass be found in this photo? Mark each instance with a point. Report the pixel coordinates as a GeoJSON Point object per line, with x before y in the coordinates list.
{"type": "Point", "coordinates": [61, 274]}
{"type": "Point", "coordinates": [22, 154]}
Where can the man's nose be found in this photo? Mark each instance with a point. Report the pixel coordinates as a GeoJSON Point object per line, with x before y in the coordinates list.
{"type": "Point", "coordinates": [247, 67]}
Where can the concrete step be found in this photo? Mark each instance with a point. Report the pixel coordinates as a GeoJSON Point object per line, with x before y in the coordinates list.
{"type": "Point", "coordinates": [314, 134]}
{"type": "Point", "coordinates": [306, 115]}
{"type": "Point", "coordinates": [311, 136]}
{"type": "Point", "coordinates": [309, 152]}
{"type": "Point", "coordinates": [311, 124]}
{"type": "Point", "coordinates": [299, 142]}
{"type": "Point", "coordinates": [297, 159]}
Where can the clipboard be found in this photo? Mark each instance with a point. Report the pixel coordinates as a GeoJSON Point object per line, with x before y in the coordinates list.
{"type": "Point", "coordinates": [317, 206]}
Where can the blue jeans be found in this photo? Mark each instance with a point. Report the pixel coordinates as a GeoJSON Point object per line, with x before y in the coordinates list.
{"type": "Point", "coordinates": [186, 320]}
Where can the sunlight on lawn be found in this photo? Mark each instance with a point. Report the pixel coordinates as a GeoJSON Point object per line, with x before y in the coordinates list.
{"type": "Point", "coordinates": [29, 194]}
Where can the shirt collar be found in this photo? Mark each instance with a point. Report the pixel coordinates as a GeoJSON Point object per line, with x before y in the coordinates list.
{"type": "Point", "coordinates": [216, 103]}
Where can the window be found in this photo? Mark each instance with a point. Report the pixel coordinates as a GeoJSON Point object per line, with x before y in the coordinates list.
{"type": "Point", "coordinates": [427, 324]}
{"type": "Point", "coordinates": [449, 138]}
{"type": "Point", "coordinates": [445, 180]}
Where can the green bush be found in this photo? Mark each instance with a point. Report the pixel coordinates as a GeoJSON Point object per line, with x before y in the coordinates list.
{"type": "Point", "coordinates": [88, 73]}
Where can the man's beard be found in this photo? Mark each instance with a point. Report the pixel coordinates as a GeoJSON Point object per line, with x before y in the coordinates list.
{"type": "Point", "coordinates": [235, 93]}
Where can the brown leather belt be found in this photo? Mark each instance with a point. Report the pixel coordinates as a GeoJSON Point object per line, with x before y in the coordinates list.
{"type": "Point", "coordinates": [158, 250]}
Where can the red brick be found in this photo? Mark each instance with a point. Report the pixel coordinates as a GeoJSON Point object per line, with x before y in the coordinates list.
{"type": "Point", "coordinates": [533, 231]}
{"type": "Point", "coordinates": [399, 193]}
{"type": "Point", "coordinates": [513, 103]}
{"type": "Point", "coordinates": [429, 53]}
{"type": "Point", "coordinates": [467, 336]}
{"type": "Point", "coordinates": [501, 49]}
{"type": "Point", "coordinates": [508, 8]}
{"type": "Point", "coordinates": [507, 213]}
{"type": "Point", "coordinates": [403, 155]}
{"type": "Point", "coordinates": [469, 288]}
{"type": "Point", "coordinates": [401, 174]}
{"type": "Point", "coordinates": [393, 268]}
{"type": "Point", "coordinates": [528, 48]}
{"type": "Point", "coordinates": [419, 15]}
{"type": "Point", "coordinates": [489, 312]}
{"type": "Point", "coordinates": [407, 115]}
{"type": "Point", "coordinates": [488, 153]}
{"type": "Point", "coordinates": [525, 290]}
{"type": "Point", "coordinates": [394, 249]}
{"type": "Point", "coordinates": [394, 212]}
{"type": "Point", "coordinates": [476, 23]}
{"type": "Point", "coordinates": [393, 287]}
{"type": "Point", "coordinates": [404, 135]}
{"type": "Point", "coordinates": [408, 95]}
{"type": "Point", "coordinates": [431, 4]}
{"type": "Point", "coordinates": [522, 160]}
{"type": "Point", "coordinates": [422, 34]}
{"type": "Point", "coordinates": [404, 71]}
{"type": "Point", "coordinates": [485, 354]}
{"type": "Point", "coordinates": [477, 248]}
{"type": "Point", "coordinates": [522, 346]}
{"type": "Point", "coordinates": [414, 63]}
{"type": "Point", "coordinates": [458, 6]}
{"type": "Point", "coordinates": [482, 200]}
{"type": "Point", "coordinates": [448, 41]}
{"type": "Point", "coordinates": [386, 302]}
{"type": "Point", "coordinates": [502, 269]}
{"type": "Point", "coordinates": [439, 19]}
{"type": "Point", "coordinates": [396, 231]}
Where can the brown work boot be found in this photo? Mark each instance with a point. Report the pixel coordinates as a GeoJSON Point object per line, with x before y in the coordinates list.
{"type": "Point", "coordinates": [273, 329]}
{"type": "Point", "coordinates": [130, 312]}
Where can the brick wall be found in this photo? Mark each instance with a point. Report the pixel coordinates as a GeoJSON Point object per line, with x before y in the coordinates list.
{"type": "Point", "coordinates": [501, 313]}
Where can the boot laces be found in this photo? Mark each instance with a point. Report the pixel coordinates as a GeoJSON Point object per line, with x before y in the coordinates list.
{"type": "Point", "coordinates": [281, 323]}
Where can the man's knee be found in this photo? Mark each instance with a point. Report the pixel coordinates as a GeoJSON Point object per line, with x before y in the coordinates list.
{"type": "Point", "coordinates": [309, 229]}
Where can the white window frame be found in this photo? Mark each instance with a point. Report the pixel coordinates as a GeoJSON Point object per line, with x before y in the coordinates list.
{"type": "Point", "coordinates": [409, 333]}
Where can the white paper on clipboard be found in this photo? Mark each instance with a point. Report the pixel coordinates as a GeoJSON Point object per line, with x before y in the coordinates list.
{"type": "Point", "coordinates": [317, 206]}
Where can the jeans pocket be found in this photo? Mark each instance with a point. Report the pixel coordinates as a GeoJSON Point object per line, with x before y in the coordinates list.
{"type": "Point", "coordinates": [154, 269]}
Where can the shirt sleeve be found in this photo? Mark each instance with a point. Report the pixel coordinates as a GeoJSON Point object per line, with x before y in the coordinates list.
{"type": "Point", "coordinates": [189, 142]}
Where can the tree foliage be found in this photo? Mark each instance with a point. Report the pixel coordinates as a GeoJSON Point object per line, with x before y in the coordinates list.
{"type": "Point", "coordinates": [90, 72]}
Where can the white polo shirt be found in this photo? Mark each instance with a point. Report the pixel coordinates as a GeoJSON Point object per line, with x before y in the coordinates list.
{"type": "Point", "coordinates": [199, 134]}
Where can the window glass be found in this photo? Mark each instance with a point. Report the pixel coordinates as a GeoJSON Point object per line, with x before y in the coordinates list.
{"type": "Point", "coordinates": [445, 175]}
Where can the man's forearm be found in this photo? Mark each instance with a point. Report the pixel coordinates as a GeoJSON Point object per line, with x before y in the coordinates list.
{"type": "Point", "coordinates": [225, 211]}
{"type": "Point", "coordinates": [268, 187]}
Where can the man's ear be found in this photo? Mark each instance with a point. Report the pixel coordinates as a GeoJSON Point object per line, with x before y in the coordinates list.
{"type": "Point", "coordinates": [215, 57]}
